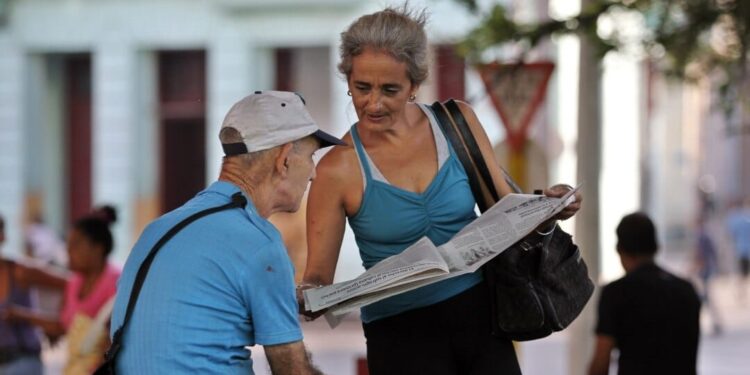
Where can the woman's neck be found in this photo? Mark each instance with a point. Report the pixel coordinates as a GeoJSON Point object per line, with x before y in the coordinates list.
{"type": "Point", "coordinates": [90, 278]}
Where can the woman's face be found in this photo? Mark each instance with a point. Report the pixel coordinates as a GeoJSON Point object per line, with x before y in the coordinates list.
{"type": "Point", "coordinates": [82, 252]}
{"type": "Point", "coordinates": [380, 88]}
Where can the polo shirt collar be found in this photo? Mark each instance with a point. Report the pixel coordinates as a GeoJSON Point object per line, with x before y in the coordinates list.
{"type": "Point", "coordinates": [228, 189]}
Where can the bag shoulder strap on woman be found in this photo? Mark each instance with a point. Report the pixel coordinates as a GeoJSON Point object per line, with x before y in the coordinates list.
{"type": "Point", "coordinates": [108, 367]}
{"type": "Point", "coordinates": [467, 151]}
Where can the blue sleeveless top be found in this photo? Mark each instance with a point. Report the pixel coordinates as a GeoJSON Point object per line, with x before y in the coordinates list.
{"type": "Point", "coordinates": [390, 219]}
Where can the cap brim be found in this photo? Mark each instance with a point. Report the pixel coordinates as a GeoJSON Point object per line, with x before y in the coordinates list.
{"type": "Point", "coordinates": [327, 140]}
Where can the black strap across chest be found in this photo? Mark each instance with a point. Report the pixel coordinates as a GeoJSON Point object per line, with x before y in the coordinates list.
{"type": "Point", "coordinates": [238, 201]}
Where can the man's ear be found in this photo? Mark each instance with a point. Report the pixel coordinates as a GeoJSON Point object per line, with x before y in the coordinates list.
{"type": "Point", "coordinates": [281, 163]}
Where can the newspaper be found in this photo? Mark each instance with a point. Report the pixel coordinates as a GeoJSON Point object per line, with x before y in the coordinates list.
{"type": "Point", "coordinates": [423, 263]}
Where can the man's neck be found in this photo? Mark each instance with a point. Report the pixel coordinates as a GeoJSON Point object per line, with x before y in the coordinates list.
{"type": "Point", "coordinates": [638, 262]}
{"type": "Point", "coordinates": [259, 195]}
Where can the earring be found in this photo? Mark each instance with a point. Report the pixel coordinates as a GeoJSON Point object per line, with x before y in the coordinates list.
{"type": "Point", "coordinates": [412, 98]}
{"type": "Point", "coordinates": [349, 93]}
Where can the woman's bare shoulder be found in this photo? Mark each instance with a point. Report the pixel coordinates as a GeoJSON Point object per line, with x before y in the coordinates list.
{"type": "Point", "coordinates": [339, 163]}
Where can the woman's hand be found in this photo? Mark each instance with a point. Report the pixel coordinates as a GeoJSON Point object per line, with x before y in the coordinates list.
{"type": "Point", "coordinates": [557, 191]}
{"type": "Point", "coordinates": [309, 315]}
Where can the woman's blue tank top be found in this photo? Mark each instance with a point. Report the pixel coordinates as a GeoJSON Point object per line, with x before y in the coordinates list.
{"type": "Point", "coordinates": [390, 219]}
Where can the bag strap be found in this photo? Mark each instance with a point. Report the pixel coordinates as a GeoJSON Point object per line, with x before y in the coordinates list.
{"type": "Point", "coordinates": [472, 146]}
{"type": "Point", "coordinates": [449, 129]}
{"type": "Point", "coordinates": [238, 201]}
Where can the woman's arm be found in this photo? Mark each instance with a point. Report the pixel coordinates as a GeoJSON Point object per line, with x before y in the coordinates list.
{"type": "Point", "coordinates": [326, 221]}
{"type": "Point", "coordinates": [50, 324]}
{"type": "Point", "coordinates": [28, 275]}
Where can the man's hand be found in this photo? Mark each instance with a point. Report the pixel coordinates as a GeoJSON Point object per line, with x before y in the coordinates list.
{"type": "Point", "coordinates": [290, 359]}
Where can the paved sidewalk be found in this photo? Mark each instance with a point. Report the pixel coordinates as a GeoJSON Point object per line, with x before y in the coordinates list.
{"type": "Point", "coordinates": [336, 351]}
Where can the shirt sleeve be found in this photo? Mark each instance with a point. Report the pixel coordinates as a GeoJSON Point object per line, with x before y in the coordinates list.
{"type": "Point", "coordinates": [270, 296]}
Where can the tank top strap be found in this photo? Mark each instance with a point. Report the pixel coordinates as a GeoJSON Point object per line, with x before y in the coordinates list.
{"type": "Point", "coordinates": [441, 143]}
{"type": "Point", "coordinates": [364, 164]}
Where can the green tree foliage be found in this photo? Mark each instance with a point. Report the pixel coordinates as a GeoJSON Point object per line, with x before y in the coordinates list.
{"type": "Point", "coordinates": [685, 38]}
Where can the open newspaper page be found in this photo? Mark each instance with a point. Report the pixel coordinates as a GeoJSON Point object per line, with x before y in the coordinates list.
{"type": "Point", "coordinates": [509, 220]}
{"type": "Point", "coordinates": [419, 261]}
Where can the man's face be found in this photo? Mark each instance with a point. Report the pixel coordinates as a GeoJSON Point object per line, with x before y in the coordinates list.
{"type": "Point", "coordinates": [301, 170]}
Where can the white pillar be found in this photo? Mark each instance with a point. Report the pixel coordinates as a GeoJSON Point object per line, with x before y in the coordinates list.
{"type": "Point", "coordinates": [229, 78]}
{"type": "Point", "coordinates": [113, 137]}
{"type": "Point", "coordinates": [11, 143]}
{"type": "Point", "coordinates": [587, 228]}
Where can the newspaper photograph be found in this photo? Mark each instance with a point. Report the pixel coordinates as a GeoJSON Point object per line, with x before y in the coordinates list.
{"type": "Point", "coordinates": [423, 263]}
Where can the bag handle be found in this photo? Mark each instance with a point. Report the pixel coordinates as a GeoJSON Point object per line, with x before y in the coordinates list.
{"type": "Point", "coordinates": [238, 201]}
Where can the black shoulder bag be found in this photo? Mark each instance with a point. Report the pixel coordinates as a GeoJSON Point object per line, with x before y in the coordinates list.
{"type": "Point", "coordinates": [108, 367]}
{"type": "Point", "coordinates": [540, 284]}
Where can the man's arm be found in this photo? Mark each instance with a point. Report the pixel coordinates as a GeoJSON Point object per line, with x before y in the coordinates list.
{"type": "Point", "coordinates": [288, 359]}
{"type": "Point", "coordinates": [602, 351]}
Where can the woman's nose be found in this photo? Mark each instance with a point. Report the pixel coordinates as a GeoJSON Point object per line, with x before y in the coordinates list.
{"type": "Point", "coordinates": [374, 102]}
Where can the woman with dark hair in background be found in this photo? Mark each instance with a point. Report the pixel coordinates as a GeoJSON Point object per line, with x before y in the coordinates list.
{"type": "Point", "coordinates": [88, 292]}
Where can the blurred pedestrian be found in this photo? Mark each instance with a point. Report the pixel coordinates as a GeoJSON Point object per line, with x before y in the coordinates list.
{"type": "Point", "coordinates": [651, 316]}
{"type": "Point", "coordinates": [225, 281]}
{"type": "Point", "coordinates": [738, 223]}
{"type": "Point", "coordinates": [19, 342]}
{"type": "Point", "coordinates": [88, 295]}
{"type": "Point", "coordinates": [44, 244]}
{"type": "Point", "coordinates": [706, 267]}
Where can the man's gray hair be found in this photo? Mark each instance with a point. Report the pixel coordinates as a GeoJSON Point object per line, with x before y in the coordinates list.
{"type": "Point", "coordinates": [232, 135]}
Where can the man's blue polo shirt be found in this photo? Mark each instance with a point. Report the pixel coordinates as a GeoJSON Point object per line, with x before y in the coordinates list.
{"type": "Point", "coordinates": [222, 283]}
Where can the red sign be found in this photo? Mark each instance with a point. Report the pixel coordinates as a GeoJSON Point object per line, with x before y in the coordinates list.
{"type": "Point", "coordinates": [516, 90]}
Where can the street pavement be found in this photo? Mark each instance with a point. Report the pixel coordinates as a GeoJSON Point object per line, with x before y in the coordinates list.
{"type": "Point", "coordinates": [337, 351]}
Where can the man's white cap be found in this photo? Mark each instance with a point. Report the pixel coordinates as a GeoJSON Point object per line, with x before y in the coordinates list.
{"type": "Point", "coordinates": [266, 119]}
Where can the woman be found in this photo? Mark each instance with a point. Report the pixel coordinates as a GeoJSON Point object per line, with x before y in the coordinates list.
{"type": "Point", "coordinates": [401, 181]}
{"type": "Point", "coordinates": [19, 342]}
{"type": "Point", "coordinates": [87, 295]}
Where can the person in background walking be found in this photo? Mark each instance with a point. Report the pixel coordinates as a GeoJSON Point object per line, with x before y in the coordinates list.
{"type": "Point", "coordinates": [738, 223]}
{"type": "Point", "coordinates": [706, 267]}
{"type": "Point", "coordinates": [651, 316]}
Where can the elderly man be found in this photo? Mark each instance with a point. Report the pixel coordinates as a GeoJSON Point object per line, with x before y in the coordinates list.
{"type": "Point", "coordinates": [224, 282]}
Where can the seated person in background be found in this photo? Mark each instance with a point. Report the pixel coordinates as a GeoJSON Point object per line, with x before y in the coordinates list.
{"type": "Point", "coordinates": [650, 315]}
{"type": "Point", "coordinates": [88, 295]}
{"type": "Point", "coordinates": [19, 343]}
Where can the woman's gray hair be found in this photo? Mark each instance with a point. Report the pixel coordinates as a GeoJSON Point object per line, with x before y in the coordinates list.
{"type": "Point", "coordinates": [397, 31]}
